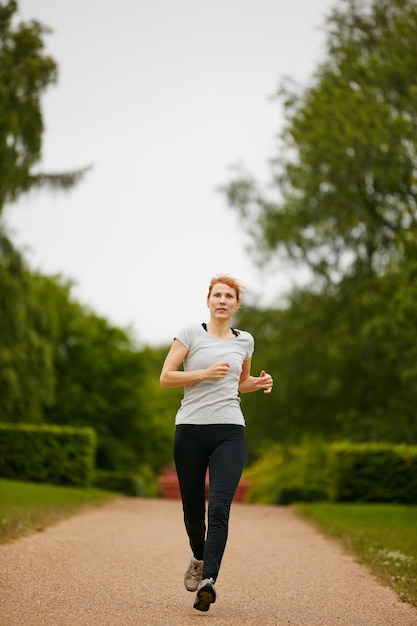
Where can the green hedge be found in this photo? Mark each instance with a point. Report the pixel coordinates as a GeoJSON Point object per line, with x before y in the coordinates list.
{"type": "Point", "coordinates": [120, 482]}
{"type": "Point", "coordinates": [375, 472]}
{"type": "Point", "coordinates": [340, 472]}
{"type": "Point", "coordinates": [286, 474]}
{"type": "Point", "coordinates": [44, 453]}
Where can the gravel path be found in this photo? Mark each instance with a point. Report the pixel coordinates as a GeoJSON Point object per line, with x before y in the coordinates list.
{"type": "Point", "coordinates": [123, 564]}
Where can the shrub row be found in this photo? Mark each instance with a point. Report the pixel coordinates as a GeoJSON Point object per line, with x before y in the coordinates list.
{"type": "Point", "coordinates": [372, 473]}
{"type": "Point", "coordinates": [340, 472]}
{"type": "Point", "coordinates": [120, 482]}
{"type": "Point", "coordinates": [44, 453]}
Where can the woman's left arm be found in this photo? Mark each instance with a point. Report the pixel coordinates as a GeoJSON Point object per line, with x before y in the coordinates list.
{"type": "Point", "coordinates": [248, 383]}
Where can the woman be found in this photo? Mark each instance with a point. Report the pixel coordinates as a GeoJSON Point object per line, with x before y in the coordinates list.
{"type": "Point", "coordinates": [210, 427]}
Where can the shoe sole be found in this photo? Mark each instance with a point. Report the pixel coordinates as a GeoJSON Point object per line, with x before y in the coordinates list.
{"type": "Point", "coordinates": [201, 606]}
{"type": "Point", "coordinates": [205, 596]}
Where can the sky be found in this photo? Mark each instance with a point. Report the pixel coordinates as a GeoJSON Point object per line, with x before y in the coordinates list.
{"type": "Point", "coordinates": [163, 98]}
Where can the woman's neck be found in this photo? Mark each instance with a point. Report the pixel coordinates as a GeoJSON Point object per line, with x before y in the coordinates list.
{"type": "Point", "coordinates": [220, 330]}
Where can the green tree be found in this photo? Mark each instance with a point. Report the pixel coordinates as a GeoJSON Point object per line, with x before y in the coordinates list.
{"type": "Point", "coordinates": [343, 202]}
{"type": "Point", "coordinates": [26, 325]}
{"type": "Point", "coordinates": [26, 349]}
{"type": "Point", "coordinates": [25, 72]}
{"type": "Point", "coordinates": [163, 405]}
{"type": "Point", "coordinates": [343, 361]}
{"type": "Point", "coordinates": [344, 188]}
{"type": "Point", "coordinates": [102, 380]}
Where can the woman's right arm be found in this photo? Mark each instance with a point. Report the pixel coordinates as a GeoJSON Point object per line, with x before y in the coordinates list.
{"type": "Point", "coordinates": [172, 376]}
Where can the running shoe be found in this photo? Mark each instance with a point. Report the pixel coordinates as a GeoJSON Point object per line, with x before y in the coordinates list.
{"type": "Point", "coordinates": [206, 595]}
{"type": "Point", "coordinates": [193, 575]}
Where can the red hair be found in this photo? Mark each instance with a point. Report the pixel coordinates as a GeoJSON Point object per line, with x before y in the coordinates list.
{"type": "Point", "coordinates": [229, 281]}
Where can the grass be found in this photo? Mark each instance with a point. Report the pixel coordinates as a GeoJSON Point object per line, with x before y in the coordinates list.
{"type": "Point", "coordinates": [29, 507]}
{"type": "Point", "coordinates": [381, 536]}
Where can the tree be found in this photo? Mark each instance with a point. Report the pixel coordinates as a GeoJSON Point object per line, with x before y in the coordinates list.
{"type": "Point", "coordinates": [26, 347]}
{"type": "Point", "coordinates": [26, 324]}
{"type": "Point", "coordinates": [345, 187]}
{"type": "Point", "coordinates": [102, 380]}
{"type": "Point", "coordinates": [343, 361]}
{"type": "Point", "coordinates": [25, 72]}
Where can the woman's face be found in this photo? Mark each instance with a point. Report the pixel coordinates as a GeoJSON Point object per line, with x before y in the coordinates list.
{"type": "Point", "coordinates": [222, 301]}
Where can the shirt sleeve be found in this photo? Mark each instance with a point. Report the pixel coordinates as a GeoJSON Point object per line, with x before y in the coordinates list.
{"type": "Point", "coordinates": [251, 346]}
{"type": "Point", "coordinates": [185, 336]}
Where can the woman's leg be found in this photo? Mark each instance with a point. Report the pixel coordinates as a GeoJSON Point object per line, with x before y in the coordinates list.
{"type": "Point", "coordinates": [191, 461]}
{"type": "Point", "coordinates": [226, 465]}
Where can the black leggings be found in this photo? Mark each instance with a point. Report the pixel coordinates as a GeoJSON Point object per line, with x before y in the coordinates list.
{"type": "Point", "coordinates": [222, 449]}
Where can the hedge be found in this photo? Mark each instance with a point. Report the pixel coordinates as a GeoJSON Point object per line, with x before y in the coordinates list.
{"type": "Point", "coordinates": [375, 472]}
{"type": "Point", "coordinates": [339, 472]}
{"type": "Point", "coordinates": [121, 482]}
{"type": "Point", "coordinates": [60, 455]}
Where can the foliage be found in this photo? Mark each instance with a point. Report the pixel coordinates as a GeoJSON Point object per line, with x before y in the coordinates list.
{"type": "Point", "coordinates": [25, 72]}
{"type": "Point", "coordinates": [342, 472]}
{"type": "Point", "coordinates": [382, 536]}
{"type": "Point", "coordinates": [26, 325]}
{"type": "Point", "coordinates": [343, 361]}
{"type": "Point", "coordinates": [102, 381]}
{"type": "Point", "coordinates": [263, 476]}
{"type": "Point", "coordinates": [120, 482]}
{"type": "Point", "coordinates": [346, 183]}
{"type": "Point", "coordinates": [373, 473]}
{"type": "Point", "coordinates": [26, 355]}
{"type": "Point", "coordinates": [284, 474]}
{"type": "Point", "coordinates": [58, 455]}
{"type": "Point", "coordinates": [163, 405]}
{"type": "Point", "coordinates": [60, 363]}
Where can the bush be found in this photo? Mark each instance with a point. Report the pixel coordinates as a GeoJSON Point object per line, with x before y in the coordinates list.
{"type": "Point", "coordinates": [341, 472]}
{"type": "Point", "coordinates": [264, 476]}
{"type": "Point", "coordinates": [48, 454]}
{"type": "Point", "coordinates": [120, 482]}
{"type": "Point", "coordinates": [300, 493]}
{"type": "Point", "coordinates": [289, 474]}
{"type": "Point", "coordinates": [377, 472]}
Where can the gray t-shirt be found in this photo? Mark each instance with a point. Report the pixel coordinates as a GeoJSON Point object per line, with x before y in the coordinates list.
{"type": "Point", "coordinates": [213, 401]}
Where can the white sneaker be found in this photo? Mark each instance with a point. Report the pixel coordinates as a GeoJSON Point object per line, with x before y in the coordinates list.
{"type": "Point", "coordinates": [193, 575]}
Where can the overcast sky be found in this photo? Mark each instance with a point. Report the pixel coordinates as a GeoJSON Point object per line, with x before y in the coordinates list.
{"type": "Point", "coordinates": [162, 97]}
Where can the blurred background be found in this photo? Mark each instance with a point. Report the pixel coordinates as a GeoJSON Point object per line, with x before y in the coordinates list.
{"type": "Point", "coordinates": [148, 146]}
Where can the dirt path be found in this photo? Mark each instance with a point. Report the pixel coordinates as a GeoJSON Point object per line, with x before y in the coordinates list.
{"type": "Point", "coordinates": [123, 565]}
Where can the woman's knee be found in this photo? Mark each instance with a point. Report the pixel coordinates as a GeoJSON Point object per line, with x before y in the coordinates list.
{"type": "Point", "coordinates": [219, 511]}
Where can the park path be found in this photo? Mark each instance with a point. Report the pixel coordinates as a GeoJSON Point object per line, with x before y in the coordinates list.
{"type": "Point", "coordinates": [122, 564]}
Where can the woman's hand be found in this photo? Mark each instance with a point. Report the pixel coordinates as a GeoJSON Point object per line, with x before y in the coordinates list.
{"type": "Point", "coordinates": [249, 383]}
{"type": "Point", "coordinates": [264, 382]}
{"type": "Point", "coordinates": [172, 377]}
{"type": "Point", "coordinates": [217, 370]}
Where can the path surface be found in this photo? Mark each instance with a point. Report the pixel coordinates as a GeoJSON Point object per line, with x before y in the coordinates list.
{"type": "Point", "coordinates": [123, 564]}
